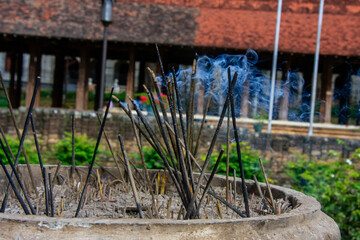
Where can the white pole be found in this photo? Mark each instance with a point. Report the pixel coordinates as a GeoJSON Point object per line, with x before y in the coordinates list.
{"type": "Point", "coordinates": [316, 67]}
{"type": "Point", "coordinates": [274, 63]}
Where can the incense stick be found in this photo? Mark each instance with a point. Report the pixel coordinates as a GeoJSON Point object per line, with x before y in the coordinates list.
{"type": "Point", "coordinates": [16, 191]}
{"type": "Point", "coordinates": [211, 148]}
{"type": "Point", "coordinates": [132, 183]}
{"type": "Point", "coordinates": [112, 152]}
{"type": "Point", "coordinates": [210, 178]}
{"type": "Point", "coordinates": [18, 133]}
{"type": "Point", "coordinates": [243, 183]}
{"type": "Point", "coordinates": [147, 177]}
{"type": "Point", "coordinates": [17, 178]}
{"type": "Point", "coordinates": [3, 206]}
{"type": "Point", "coordinates": [94, 155]}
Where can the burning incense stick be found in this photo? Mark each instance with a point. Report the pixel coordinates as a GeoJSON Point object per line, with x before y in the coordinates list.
{"type": "Point", "coordinates": [3, 206]}
{"type": "Point", "coordinates": [132, 183]}
{"type": "Point", "coordinates": [211, 148]}
{"type": "Point", "coordinates": [243, 183]}
{"type": "Point", "coordinates": [183, 132]}
{"type": "Point", "coordinates": [94, 155]}
{"type": "Point", "coordinates": [159, 151]}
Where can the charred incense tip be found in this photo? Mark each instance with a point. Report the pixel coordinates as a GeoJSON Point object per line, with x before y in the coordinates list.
{"type": "Point", "coordinates": [116, 99]}
{"type": "Point", "coordinates": [152, 73]}
{"type": "Point", "coordinates": [146, 89]}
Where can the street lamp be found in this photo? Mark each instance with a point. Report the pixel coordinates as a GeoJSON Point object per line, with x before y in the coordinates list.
{"type": "Point", "coordinates": [106, 9]}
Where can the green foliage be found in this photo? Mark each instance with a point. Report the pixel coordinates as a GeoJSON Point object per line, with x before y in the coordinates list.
{"type": "Point", "coordinates": [250, 159]}
{"type": "Point", "coordinates": [84, 150]}
{"type": "Point", "coordinates": [14, 145]}
{"type": "Point", "coordinates": [336, 185]}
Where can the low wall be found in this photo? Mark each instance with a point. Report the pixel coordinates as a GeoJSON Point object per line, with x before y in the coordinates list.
{"type": "Point", "coordinates": [52, 123]}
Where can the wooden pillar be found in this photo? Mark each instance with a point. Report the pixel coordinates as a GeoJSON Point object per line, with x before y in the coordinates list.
{"type": "Point", "coordinates": [244, 108]}
{"type": "Point", "coordinates": [82, 84]}
{"type": "Point", "coordinates": [130, 76]}
{"type": "Point", "coordinates": [12, 77]}
{"type": "Point", "coordinates": [284, 100]}
{"type": "Point", "coordinates": [142, 77]}
{"type": "Point", "coordinates": [326, 93]}
{"type": "Point", "coordinates": [59, 75]}
{"type": "Point", "coordinates": [34, 72]}
{"type": "Point", "coordinates": [19, 73]}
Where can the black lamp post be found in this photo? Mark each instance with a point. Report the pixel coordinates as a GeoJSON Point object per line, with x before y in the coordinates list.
{"type": "Point", "coordinates": [106, 9]}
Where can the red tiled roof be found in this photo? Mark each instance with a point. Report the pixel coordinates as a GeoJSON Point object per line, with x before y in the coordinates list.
{"type": "Point", "coordinates": [219, 23]}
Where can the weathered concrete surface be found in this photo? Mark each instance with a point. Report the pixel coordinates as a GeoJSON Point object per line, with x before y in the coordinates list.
{"type": "Point", "coordinates": [304, 222]}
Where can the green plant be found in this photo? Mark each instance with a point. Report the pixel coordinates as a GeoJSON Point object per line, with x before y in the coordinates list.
{"type": "Point", "coordinates": [249, 157]}
{"type": "Point", "coordinates": [84, 150]}
{"type": "Point", "coordinates": [336, 185]}
{"type": "Point", "coordinates": [14, 144]}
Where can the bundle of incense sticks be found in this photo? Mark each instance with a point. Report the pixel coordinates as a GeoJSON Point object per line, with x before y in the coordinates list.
{"type": "Point", "coordinates": [174, 145]}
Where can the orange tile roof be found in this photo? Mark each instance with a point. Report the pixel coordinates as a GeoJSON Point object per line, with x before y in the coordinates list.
{"type": "Point", "coordinates": [238, 24]}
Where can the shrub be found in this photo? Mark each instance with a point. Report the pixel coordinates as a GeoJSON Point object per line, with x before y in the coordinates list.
{"type": "Point", "coordinates": [250, 159]}
{"type": "Point", "coordinates": [84, 150]}
{"type": "Point", "coordinates": [14, 145]}
{"type": "Point", "coordinates": [336, 185]}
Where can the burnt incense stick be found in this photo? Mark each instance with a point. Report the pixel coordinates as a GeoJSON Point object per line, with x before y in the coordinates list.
{"type": "Point", "coordinates": [147, 177]}
{"type": "Point", "coordinates": [183, 132]}
{"type": "Point", "coordinates": [56, 173]}
{"type": "Point", "coordinates": [3, 206]}
{"type": "Point", "coordinates": [212, 193]}
{"type": "Point", "coordinates": [132, 183]}
{"type": "Point", "coordinates": [142, 132]}
{"type": "Point", "coordinates": [234, 170]}
{"type": "Point", "coordinates": [17, 177]}
{"type": "Point", "coordinates": [112, 152]}
{"type": "Point", "coordinates": [161, 154]}
{"type": "Point", "coordinates": [260, 192]}
{"type": "Point", "coordinates": [243, 183]}
{"type": "Point", "coordinates": [210, 178]}
{"type": "Point", "coordinates": [268, 187]}
{"type": "Point", "coordinates": [45, 191]}
{"type": "Point", "coordinates": [72, 147]}
{"type": "Point", "coordinates": [18, 134]}
{"type": "Point", "coordinates": [177, 139]}
{"type": "Point", "coordinates": [7, 143]}
{"type": "Point", "coordinates": [94, 155]}
{"type": "Point", "coordinates": [36, 142]}
{"type": "Point", "coordinates": [162, 129]}
{"type": "Point", "coordinates": [163, 133]}
{"type": "Point", "coordinates": [211, 148]}
{"type": "Point", "coordinates": [51, 196]}
{"type": "Point", "coordinates": [16, 191]}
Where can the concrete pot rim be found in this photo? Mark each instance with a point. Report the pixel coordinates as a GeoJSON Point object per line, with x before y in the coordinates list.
{"type": "Point", "coordinates": [309, 206]}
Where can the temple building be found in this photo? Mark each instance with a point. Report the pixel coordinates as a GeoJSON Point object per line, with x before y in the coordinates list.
{"type": "Point", "coordinates": [61, 41]}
